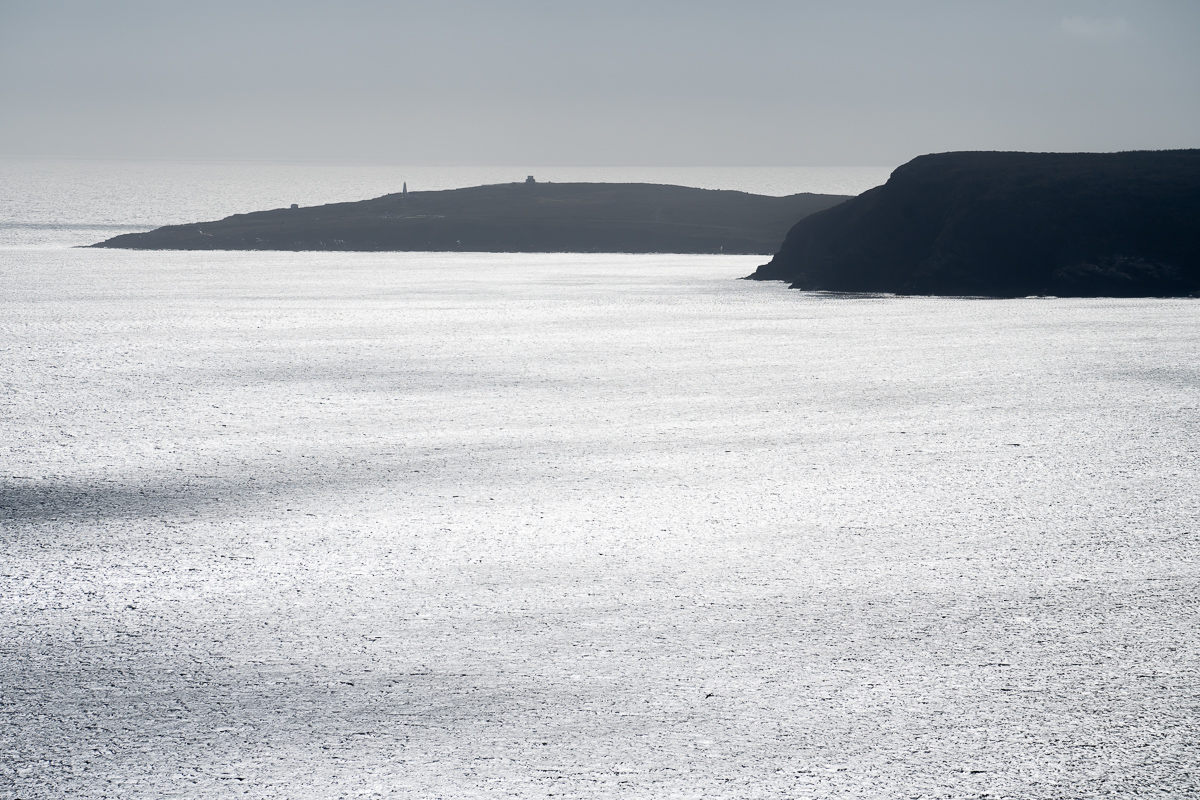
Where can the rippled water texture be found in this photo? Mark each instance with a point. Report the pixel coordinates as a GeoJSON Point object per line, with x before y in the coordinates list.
{"type": "Point", "coordinates": [305, 525]}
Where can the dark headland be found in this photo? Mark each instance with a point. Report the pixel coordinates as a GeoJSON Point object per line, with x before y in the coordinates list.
{"type": "Point", "coordinates": [515, 217]}
{"type": "Point", "coordinates": [1010, 225]}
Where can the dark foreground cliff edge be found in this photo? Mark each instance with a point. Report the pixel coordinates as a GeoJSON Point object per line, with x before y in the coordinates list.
{"type": "Point", "coordinates": [516, 217]}
{"type": "Point", "coordinates": [1010, 225]}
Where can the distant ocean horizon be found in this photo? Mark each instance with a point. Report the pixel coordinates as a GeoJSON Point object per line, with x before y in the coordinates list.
{"type": "Point", "coordinates": [69, 202]}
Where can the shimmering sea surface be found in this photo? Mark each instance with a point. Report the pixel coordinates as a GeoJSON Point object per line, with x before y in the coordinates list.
{"type": "Point", "coordinates": [291, 525]}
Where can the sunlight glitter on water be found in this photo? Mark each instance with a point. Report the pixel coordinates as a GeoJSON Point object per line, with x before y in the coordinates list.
{"type": "Point", "coordinates": [589, 524]}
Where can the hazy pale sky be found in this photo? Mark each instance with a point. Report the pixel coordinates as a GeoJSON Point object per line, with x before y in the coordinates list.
{"type": "Point", "coordinates": [595, 83]}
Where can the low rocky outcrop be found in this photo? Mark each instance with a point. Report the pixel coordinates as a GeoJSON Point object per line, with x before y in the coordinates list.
{"type": "Point", "coordinates": [516, 217]}
{"type": "Point", "coordinates": [1009, 225]}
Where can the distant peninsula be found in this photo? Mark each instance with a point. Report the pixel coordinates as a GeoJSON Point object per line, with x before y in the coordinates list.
{"type": "Point", "coordinates": [1009, 225]}
{"type": "Point", "coordinates": [516, 217]}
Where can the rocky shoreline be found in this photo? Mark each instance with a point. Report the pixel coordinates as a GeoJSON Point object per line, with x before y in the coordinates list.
{"type": "Point", "coordinates": [1010, 225]}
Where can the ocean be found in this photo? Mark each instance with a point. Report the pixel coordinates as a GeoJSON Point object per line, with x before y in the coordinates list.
{"type": "Point", "coordinates": [462, 525]}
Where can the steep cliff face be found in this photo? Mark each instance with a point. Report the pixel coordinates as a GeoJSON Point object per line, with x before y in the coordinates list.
{"type": "Point", "coordinates": [1009, 224]}
{"type": "Point", "coordinates": [517, 217]}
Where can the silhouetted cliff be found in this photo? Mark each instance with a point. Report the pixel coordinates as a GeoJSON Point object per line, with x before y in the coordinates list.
{"type": "Point", "coordinates": [517, 217]}
{"type": "Point", "coordinates": [1010, 225]}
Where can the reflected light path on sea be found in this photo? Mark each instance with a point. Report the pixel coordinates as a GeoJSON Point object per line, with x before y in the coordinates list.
{"type": "Point", "coordinates": [452, 525]}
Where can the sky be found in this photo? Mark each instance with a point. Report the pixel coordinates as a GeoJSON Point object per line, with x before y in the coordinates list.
{"type": "Point", "coordinates": [651, 83]}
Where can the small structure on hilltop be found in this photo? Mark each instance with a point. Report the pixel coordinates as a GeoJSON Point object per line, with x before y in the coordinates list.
{"type": "Point", "coordinates": [514, 217]}
{"type": "Point", "coordinates": [529, 179]}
